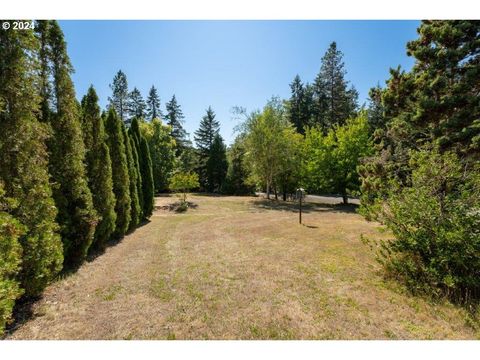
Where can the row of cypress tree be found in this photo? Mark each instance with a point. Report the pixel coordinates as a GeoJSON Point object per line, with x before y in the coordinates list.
{"type": "Point", "coordinates": [71, 178]}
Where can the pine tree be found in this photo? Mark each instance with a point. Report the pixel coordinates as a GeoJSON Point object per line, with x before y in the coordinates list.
{"type": "Point", "coordinates": [121, 179]}
{"type": "Point", "coordinates": [300, 105]}
{"type": "Point", "coordinates": [376, 117]}
{"type": "Point", "coordinates": [433, 106]}
{"type": "Point", "coordinates": [153, 104]}
{"type": "Point", "coordinates": [136, 211]}
{"type": "Point", "coordinates": [446, 79]}
{"type": "Point", "coordinates": [174, 119]}
{"type": "Point", "coordinates": [135, 105]}
{"type": "Point", "coordinates": [217, 165]}
{"type": "Point", "coordinates": [145, 164]}
{"type": "Point", "coordinates": [334, 103]}
{"type": "Point", "coordinates": [76, 215]}
{"type": "Point", "coordinates": [119, 99]}
{"type": "Point", "coordinates": [99, 168]}
{"type": "Point", "coordinates": [204, 136]}
{"type": "Point", "coordinates": [24, 161]}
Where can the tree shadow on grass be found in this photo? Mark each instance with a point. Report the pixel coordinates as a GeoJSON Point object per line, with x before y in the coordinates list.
{"type": "Point", "coordinates": [95, 252]}
{"type": "Point", "coordinates": [307, 208]}
{"type": "Point", "coordinates": [23, 311]}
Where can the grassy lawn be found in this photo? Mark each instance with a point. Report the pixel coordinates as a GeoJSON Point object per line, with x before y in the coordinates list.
{"type": "Point", "coordinates": [240, 268]}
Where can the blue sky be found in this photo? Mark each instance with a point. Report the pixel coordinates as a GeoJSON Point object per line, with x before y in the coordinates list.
{"type": "Point", "coordinates": [229, 63]}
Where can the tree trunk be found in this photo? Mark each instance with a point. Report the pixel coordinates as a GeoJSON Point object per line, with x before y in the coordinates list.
{"type": "Point", "coordinates": [276, 193]}
{"type": "Point", "coordinates": [284, 195]}
{"type": "Point", "coordinates": [345, 198]}
{"type": "Point", "coordinates": [268, 190]}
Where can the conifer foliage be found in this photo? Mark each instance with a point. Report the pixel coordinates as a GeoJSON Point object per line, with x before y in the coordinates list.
{"type": "Point", "coordinates": [153, 104]}
{"type": "Point", "coordinates": [135, 105]}
{"type": "Point", "coordinates": [334, 101]}
{"type": "Point", "coordinates": [135, 209]}
{"type": "Point", "coordinates": [76, 215]}
{"type": "Point", "coordinates": [204, 136]}
{"type": "Point", "coordinates": [119, 98]}
{"type": "Point", "coordinates": [145, 165]}
{"type": "Point", "coordinates": [99, 168]}
{"type": "Point", "coordinates": [300, 105]}
{"type": "Point", "coordinates": [120, 175]}
{"type": "Point", "coordinates": [217, 165]}
{"type": "Point", "coordinates": [70, 178]}
{"type": "Point", "coordinates": [24, 168]}
{"type": "Point", "coordinates": [175, 118]}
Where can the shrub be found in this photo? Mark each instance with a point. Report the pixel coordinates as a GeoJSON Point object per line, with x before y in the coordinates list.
{"type": "Point", "coordinates": [436, 226]}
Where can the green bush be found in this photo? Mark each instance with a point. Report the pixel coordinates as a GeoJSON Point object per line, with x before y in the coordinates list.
{"type": "Point", "coordinates": [10, 259]}
{"type": "Point", "coordinates": [436, 226]}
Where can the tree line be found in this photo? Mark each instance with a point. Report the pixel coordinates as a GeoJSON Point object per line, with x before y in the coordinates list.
{"type": "Point", "coordinates": [72, 178]}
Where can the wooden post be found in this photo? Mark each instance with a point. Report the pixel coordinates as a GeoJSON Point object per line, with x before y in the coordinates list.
{"type": "Point", "coordinates": [300, 193]}
{"type": "Point", "coordinates": [300, 214]}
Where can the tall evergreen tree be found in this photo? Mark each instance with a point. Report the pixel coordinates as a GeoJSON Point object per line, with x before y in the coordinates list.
{"type": "Point", "coordinates": [135, 209]}
{"type": "Point", "coordinates": [121, 179]}
{"type": "Point", "coordinates": [175, 118]}
{"type": "Point", "coordinates": [204, 136]}
{"type": "Point", "coordinates": [145, 164]}
{"type": "Point", "coordinates": [446, 79]}
{"type": "Point", "coordinates": [334, 103]}
{"type": "Point", "coordinates": [24, 161]}
{"type": "Point", "coordinates": [153, 104]}
{"type": "Point", "coordinates": [376, 117]}
{"type": "Point", "coordinates": [135, 105]}
{"type": "Point", "coordinates": [217, 165]}
{"type": "Point", "coordinates": [76, 215]}
{"type": "Point", "coordinates": [136, 163]}
{"type": "Point", "coordinates": [300, 105]}
{"type": "Point", "coordinates": [119, 98]}
{"type": "Point", "coordinates": [99, 168]}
